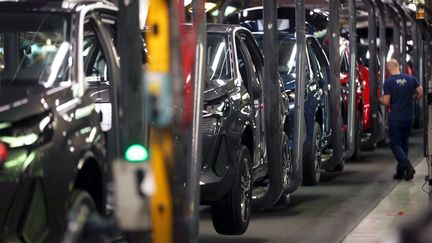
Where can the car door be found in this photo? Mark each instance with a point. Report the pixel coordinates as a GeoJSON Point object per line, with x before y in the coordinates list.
{"type": "Point", "coordinates": [257, 73]}
{"type": "Point", "coordinates": [323, 77]}
{"type": "Point", "coordinates": [101, 70]}
{"type": "Point", "coordinates": [249, 77]}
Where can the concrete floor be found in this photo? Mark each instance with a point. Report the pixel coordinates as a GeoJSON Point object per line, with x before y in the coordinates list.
{"type": "Point", "coordinates": [329, 211]}
{"type": "Point", "coordinates": [403, 205]}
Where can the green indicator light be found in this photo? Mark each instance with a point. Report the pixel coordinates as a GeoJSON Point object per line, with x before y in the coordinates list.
{"type": "Point", "coordinates": [136, 153]}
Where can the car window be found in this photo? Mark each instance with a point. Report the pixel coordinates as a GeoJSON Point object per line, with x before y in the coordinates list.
{"type": "Point", "coordinates": [34, 50]}
{"type": "Point", "coordinates": [254, 61]}
{"type": "Point", "coordinates": [95, 67]}
{"type": "Point", "coordinates": [218, 71]}
{"type": "Point", "coordinates": [314, 57]}
{"type": "Point", "coordinates": [241, 60]}
{"type": "Point", "coordinates": [344, 68]}
{"type": "Point", "coordinates": [313, 62]}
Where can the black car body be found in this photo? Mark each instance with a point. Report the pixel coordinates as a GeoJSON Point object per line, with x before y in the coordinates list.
{"type": "Point", "coordinates": [57, 60]}
{"type": "Point", "coordinates": [317, 106]}
{"type": "Point", "coordinates": [233, 121]}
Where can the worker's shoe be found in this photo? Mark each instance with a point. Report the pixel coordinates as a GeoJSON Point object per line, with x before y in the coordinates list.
{"type": "Point", "coordinates": [398, 176]}
{"type": "Point", "coordinates": [410, 173]}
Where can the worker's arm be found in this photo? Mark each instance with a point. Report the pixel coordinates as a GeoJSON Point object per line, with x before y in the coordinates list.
{"type": "Point", "coordinates": [419, 93]}
{"type": "Point", "coordinates": [385, 99]}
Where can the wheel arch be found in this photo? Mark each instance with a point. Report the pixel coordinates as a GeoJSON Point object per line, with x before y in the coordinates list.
{"type": "Point", "coordinates": [90, 178]}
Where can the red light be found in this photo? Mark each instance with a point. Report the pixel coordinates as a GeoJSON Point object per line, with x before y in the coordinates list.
{"type": "Point", "coordinates": [3, 153]}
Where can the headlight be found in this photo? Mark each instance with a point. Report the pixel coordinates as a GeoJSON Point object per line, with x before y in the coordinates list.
{"type": "Point", "coordinates": [291, 95]}
{"type": "Point", "coordinates": [217, 109]}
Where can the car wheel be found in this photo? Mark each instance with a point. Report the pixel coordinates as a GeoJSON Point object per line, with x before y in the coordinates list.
{"type": "Point", "coordinates": [312, 160]}
{"type": "Point", "coordinates": [287, 163]}
{"type": "Point", "coordinates": [357, 139]}
{"type": "Point", "coordinates": [231, 216]}
{"type": "Point", "coordinates": [288, 171]}
{"type": "Point", "coordinates": [81, 203]}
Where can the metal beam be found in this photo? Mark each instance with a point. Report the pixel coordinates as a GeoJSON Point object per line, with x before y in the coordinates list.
{"type": "Point", "coordinates": [335, 92]}
{"type": "Point", "coordinates": [372, 48]}
{"type": "Point", "coordinates": [272, 108]}
{"type": "Point", "coordinates": [383, 53]}
{"type": "Point", "coordinates": [299, 119]}
{"type": "Point", "coordinates": [396, 32]}
{"type": "Point", "coordinates": [187, 146]}
{"type": "Point", "coordinates": [404, 34]}
{"type": "Point", "coordinates": [352, 78]}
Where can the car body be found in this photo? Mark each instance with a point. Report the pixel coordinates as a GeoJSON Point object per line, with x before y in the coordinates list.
{"type": "Point", "coordinates": [317, 109]}
{"type": "Point", "coordinates": [51, 77]}
{"type": "Point", "coordinates": [362, 109]}
{"type": "Point", "coordinates": [233, 121]}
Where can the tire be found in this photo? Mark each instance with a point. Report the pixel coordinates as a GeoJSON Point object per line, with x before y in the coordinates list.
{"type": "Point", "coordinates": [78, 199]}
{"type": "Point", "coordinates": [312, 160]}
{"type": "Point", "coordinates": [231, 216]}
{"type": "Point", "coordinates": [357, 139]}
{"type": "Point", "coordinates": [283, 202]}
{"type": "Point", "coordinates": [287, 163]}
{"type": "Point", "coordinates": [383, 141]}
{"type": "Point", "coordinates": [288, 174]}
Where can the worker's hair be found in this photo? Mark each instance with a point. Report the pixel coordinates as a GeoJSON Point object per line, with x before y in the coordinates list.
{"type": "Point", "coordinates": [393, 63]}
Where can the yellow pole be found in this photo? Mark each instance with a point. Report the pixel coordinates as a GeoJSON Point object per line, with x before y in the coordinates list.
{"type": "Point", "coordinates": [161, 136]}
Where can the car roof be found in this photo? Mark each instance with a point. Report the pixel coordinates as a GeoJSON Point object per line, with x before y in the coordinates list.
{"type": "Point", "coordinates": [45, 5]}
{"type": "Point", "coordinates": [222, 28]}
{"type": "Point", "coordinates": [285, 34]}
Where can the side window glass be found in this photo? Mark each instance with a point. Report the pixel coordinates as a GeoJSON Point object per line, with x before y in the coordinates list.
{"type": "Point", "coordinates": [2, 61]}
{"type": "Point", "coordinates": [319, 71]}
{"type": "Point", "coordinates": [95, 67]}
{"type": "Point", "coordinates": [241, 61]}
{"type": "Point", "coordinates": [344, 62]}
{"type": "Point", "coordinates": [312, 63]}
{"type": "Point", "coordinates": [252, 67]}
{"type": "Point", "coordinates": [255, 60]}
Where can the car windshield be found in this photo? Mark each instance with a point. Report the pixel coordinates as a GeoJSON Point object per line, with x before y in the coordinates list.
{"type": "Point", "coordinates": [218, 69]}
{"type": "Point", "coordinates": [287, 55]}
{"type": "Point", "coordinates": [33, 50]}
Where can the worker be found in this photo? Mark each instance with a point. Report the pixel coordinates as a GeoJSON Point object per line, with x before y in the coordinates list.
{"type": "Point", "coordinates": [400, 90]}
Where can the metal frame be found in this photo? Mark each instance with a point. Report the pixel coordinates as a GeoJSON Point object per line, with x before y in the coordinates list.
{"type": "Point", "coordinates": [299, 118]}
{"type": "Point", "coordinates": [272, 108]}
{"type": "Point", "coordinates": [404, 34]}
{"type": "Point", "coordinates": [372, 47]}
{"type": "Point", "coordinates": [335, 92]}
{"type": "Point", "coordinates": [352, 78]}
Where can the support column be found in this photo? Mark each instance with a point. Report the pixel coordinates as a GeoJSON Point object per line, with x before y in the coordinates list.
{"type": "Point", "coordinates": [404, 34]}
{"type": "Point", "coordinates": [352, 78]}
{"type": "Point", "coordinates": [372, 48]}
{"type": "Point", "coordinates": [272, 108]}
{"type": "Point", "coordinates": [299, 121]}
{"type": "Point", "coordinates": [335, 92]}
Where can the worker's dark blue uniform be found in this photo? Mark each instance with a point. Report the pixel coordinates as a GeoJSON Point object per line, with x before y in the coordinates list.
{"type": "Point", "coordinates": [401, 88]}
